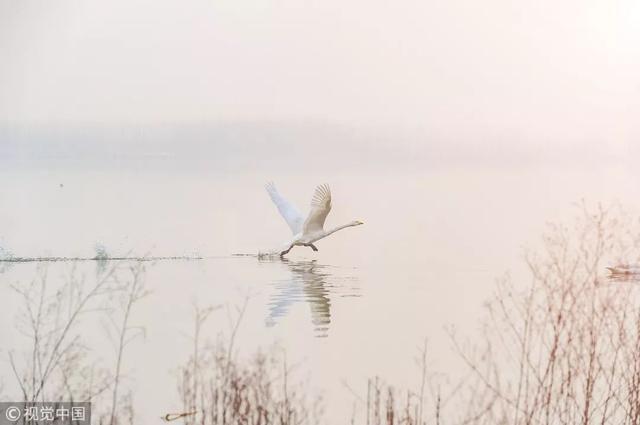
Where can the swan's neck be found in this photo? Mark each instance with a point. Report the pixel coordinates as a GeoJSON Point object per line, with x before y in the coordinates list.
{"type": "Point", "coordinates": [335, 229]}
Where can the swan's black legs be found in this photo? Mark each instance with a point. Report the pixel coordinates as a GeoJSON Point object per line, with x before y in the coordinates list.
{"type": "Point", "coordinates": [283, 253]}
{"type": "Point", "coordinates": [310, 245]}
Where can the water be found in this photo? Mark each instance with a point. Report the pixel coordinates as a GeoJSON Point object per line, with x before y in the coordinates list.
{"type": "Point", "coordinates": [434, 241]}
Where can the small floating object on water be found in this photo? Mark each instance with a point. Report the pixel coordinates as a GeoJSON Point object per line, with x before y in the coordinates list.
{"type": "Point", "coordinates": [624, 271]}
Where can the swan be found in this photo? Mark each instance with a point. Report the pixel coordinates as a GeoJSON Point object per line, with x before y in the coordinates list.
{"type": "Point", "coordinates": [306, 232]}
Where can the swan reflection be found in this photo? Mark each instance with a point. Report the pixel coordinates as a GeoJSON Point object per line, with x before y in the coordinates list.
{"type": "Point", "coordinates": [314, 284]}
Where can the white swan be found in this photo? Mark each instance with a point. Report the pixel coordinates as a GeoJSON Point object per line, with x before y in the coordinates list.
{"type": "Point", "coordinates": [306, 232]}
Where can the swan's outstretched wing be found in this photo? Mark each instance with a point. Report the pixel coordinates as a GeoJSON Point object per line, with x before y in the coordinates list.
{"type": "Point", "coordinates": [288, 211]}
{"type": "Point", "coordinates": [320, 207]}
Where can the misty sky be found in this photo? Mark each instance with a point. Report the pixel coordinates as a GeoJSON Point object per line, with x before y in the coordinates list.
{"type": "Point", "coordinates": [543, 70]}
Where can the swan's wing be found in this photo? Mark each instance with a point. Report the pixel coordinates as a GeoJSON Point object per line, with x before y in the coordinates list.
{"type": "Point", "coordinates": [320, 207]}
{"type": "Point", "coordinates": [288, 211]}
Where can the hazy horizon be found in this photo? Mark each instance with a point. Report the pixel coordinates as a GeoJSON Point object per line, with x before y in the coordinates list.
{"type": "Point", "coordinates": [293, 145]}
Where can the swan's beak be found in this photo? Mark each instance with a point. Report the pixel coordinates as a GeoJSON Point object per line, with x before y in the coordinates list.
{"type": "Point", "coordinates": [358, 222]}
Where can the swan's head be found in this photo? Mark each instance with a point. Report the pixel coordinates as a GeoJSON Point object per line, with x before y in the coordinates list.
{"type": "Point", "coordinates": [356, 223]}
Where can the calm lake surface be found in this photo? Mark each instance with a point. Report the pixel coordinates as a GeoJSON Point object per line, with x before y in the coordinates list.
{"type": "Point", "coordinates": [435, 239]}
